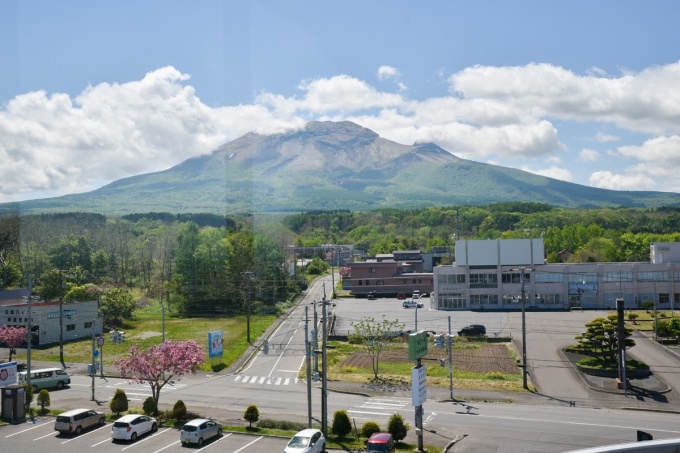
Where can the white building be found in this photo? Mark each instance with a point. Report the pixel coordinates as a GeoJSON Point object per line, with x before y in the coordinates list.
{"type": "Point", "coordinates": [80, 319]}
{"type": "Point", "coordinates": [496, 274]}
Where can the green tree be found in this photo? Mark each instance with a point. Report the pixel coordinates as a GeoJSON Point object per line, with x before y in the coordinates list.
{"type": "Point", "coordinates": [179, 410]}
{"type": "Point", "coordinates": [149, 406]}
{"type": "Point", "coordinates": [601, 338]}
{"type": "Point", "coordinates": [118, 304]}
{"type": "Point", "coordinates": [377, 337]}
{"type": "Point", "coordinates": [341, 424]}
{"type": "Point", "coordinates": [369, 428]}
{"type": "Point", "coordinates": [43, 400]}
{"type": "Point", "coordinates": [397, 427]}
{"type": "Point", "coordinates": [252, 414]}
{"type": "Point", "coordinates": [119, 402]}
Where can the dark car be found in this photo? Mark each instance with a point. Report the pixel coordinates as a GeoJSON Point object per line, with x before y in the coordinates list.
{"type": "Point", "coordinates": [401, 296]}
{"type": "Point", "coordinates": [372, 296]}
{"type": "Point", "coordinates": [473, 330]}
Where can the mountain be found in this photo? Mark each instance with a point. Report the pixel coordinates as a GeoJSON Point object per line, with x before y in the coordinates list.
{"type": "Point", "coordinates": [327, 166]}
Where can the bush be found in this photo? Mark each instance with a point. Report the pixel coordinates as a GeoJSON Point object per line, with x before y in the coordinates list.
{"type": "Point", "coordinates": [252, 414]}
{"type": "Point", "coordinates": [29, 395]}
{"type": "Point", "coordinates": [369, 428]}
{"type": "Point", "coordinates": [285, 425]}
{"type": "Point", "coordinates": [179, 410]}
{"type": "Point", "coordinates": [632, 316]}
{"type": "Point", "coordinates": [150, 407]}
{"type": "Point", "coordinates": [341, 424]}
{"type": "Point", "coordinates": [119, 402]}
{"type": "Point", "coordinates": [397, 427]}
{"type": "Point", "coordinates": [44, 399]}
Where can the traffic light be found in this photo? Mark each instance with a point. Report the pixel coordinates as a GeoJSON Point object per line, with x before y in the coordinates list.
{"type": "Point", "coordinates": [439, 341]}
{"type": "Point", "coordinates": [265, 346]}
{"type": "Point", "coordinates": [442, 362]}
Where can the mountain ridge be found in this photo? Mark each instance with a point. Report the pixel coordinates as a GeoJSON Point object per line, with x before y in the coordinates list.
{"type": "Point", "coordinates": [325, 166]}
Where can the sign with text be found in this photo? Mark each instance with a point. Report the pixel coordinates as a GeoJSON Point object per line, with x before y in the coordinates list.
{"type": "Point", "coordinates": [8, 373]}
{"type": "Point", "coordinates": [417, 345]}
{"type": "Point", "coordinates": [215, 342]}
{"type": "Point", "coordinates": [418, 385]}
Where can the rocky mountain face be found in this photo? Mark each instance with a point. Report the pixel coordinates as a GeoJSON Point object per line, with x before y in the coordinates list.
{"type": "Point", "coordinates": [326, 166]}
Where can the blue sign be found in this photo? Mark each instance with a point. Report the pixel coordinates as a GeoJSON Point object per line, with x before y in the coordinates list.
{"type": "Point", "coordinates": [96, 353]}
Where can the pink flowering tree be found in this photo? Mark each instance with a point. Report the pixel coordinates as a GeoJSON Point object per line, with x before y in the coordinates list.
{"type": "Point", "coordinates": [13, 337]}
{"type": "Point", "coordinates": [345, 271]}
{"type": "Point", "coordinates": [161, 364]}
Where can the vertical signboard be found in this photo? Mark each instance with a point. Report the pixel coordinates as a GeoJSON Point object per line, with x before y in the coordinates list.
{"type": "Point", "coordinates": [418, 385]}
{"type": "Point", "coordinates": [417, 345]}
{"type": "Point", "coordinates": [215, 342]}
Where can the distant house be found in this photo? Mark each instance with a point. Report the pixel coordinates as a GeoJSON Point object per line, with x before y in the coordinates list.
{"type": "Point", "coordinates": [390, 274]}
{"type": "Point", "coordinates": [79, 319]}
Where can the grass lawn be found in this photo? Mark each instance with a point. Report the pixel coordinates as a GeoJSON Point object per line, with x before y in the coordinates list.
{"type": "Point", "coordinates": [145, 329]}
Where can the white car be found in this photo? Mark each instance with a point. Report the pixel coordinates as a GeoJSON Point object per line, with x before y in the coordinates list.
{"type": "Point", "coordinates": [306, 441]}
{"type": "Point", "coordinates": [131, 426]}
{"type": "Point", "coordinates": [412, 304]}
{"type": "Point", "coordinates": [199, 430]}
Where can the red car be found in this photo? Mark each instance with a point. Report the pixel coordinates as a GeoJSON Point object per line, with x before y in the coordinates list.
{"type": "Point", "coordinates": [401, 296]}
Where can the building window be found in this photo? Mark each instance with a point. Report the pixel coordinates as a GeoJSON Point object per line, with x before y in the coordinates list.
{"type": "Point", "coordinates": [451, 279]}
{"type": "Point", "coordinates": [367, 283]}
{"type": "Point", "coordinates": [70, 327]}
{"type": "Point", "coordinates": [664, 298]}
{"type": "Point", "coordinates": [614, 277]}
{"type": "Point", "coordinates": [583, 277]}
{"type": "Point", "coordinates": [548, 299]}
{"type": "Point", "coordinates": [371, 270]}
{"type": "Point", "coordinates": [548, 277]}
{"type": "Point", "coordinates": [515, 278]}
{"type": "Point", "coordinates": [659, 276]}
{"type": "Point", "coordinates": [452, 301]}
{"type": "Point", "coordinates": [88, 325]}
{"type": "Point", "coordinates": [404, 281]}
{"type": "Point", "coordinates": [361, 282]}
{"type": "Point", "coordinates": [484, 299]}
{"type": "Point", "coordinates": [483, 280]}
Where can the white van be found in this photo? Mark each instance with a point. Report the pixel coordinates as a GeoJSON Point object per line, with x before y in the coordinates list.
{"type": "Point", "coordinates": [46, 378]}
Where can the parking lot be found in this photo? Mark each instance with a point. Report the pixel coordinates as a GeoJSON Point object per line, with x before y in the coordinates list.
{"type": "Point", "coordinates": [40, 436]}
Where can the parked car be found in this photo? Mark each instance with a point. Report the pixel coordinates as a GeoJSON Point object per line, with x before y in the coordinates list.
{"type": "Point", "coordinates": [372, 296]}
{"type": "Point", "coordinates": [46, 379]}
{"type": "Point", "coordinates": [199, 430]}
{"type": "Point", "coordinates": [412, 304]}
{"type": "Point", "coordinates": [416, 294]}
{"type": "Point", "coordinates": [473, 330]}
{"type": "Point", "coordinates": [77, 420]}
{"type": "Point", "coordinates": [306, 441]}
{"type": "Point", "coordinates": [131, 426]}
{"type": "Point", "coordinates": [381, 443]}
{"type": "Point", "coordinates": [401, 296]}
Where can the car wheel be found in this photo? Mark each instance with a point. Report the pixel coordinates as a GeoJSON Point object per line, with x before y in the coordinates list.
{"type": "Point", "coordinates": [60, 385]}
{"type": "Point", "coordinates": [200, 441]}
{"type": "Point", "coordinates": [102, 421]}
{"type": "Point", "coordinates": [79, 430]}
{"type": "Point", "coordinates": [133, 437]}
{"type": "Point", "coordinates": [154, 428]}
{"type": "Point", "coordinates": [219, 432]}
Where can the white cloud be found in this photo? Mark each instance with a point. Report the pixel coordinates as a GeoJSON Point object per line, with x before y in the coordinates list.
{"type": "Point", "coordinates": [588, 155]}
{"type": "Point", "coordinates": [552, 172]}
{"type": "Point", "coordinates": [387, 72]}
{"type": "Point", "coordinates": [609, 180]}
{"type": "Point", "coordinates": [53, 144]}
{"type": "Point", "coordinates": [605, 138]}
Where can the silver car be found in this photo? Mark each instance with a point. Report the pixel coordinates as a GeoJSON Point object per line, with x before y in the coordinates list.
{"type": "Point", "coordinates": [199, 430]}
{"type": "Point", "coordinates": [75, 421]}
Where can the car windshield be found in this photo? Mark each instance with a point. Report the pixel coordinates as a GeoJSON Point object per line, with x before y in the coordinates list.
{"type": "Point", "coordinates": [299, 442]}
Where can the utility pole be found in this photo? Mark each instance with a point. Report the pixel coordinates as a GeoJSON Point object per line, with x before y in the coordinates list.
{"type": "Point", "coordinates": [248, 276]}
{"type": "Point", "coordinates": [94, 323]}
{"type": "Point", "coordinates": [324, 372]}
{"type": "Point", "coordinates": [524, 338]}
{"type": "Point", "coordinates": [62, 284]}
{"type": "Point", "coordinates": [450, 361]}
{"type": "Point", "coordinates": [29, 340]}
{"type": "Point", "coordinates": [308, 369]}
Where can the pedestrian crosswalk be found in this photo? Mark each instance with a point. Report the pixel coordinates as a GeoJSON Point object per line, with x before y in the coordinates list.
{"type": "Point", "coordinates": [264, 380]}
{"type": "Point", "coordinates": [140, 392]}
{"type": "Point", "coordinates": [378, 409]}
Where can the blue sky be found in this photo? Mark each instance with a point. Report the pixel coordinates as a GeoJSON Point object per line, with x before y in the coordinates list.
{"type": "Point", "coordinates": [583, 91]}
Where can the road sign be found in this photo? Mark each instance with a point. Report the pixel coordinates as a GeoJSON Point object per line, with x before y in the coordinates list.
{"type": "Point", "coordinates": [100, 341]}
{"type": "Point", "coordinates": [96, 353]}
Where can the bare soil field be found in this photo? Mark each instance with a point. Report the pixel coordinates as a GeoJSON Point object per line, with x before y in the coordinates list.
{"type": "Point", "coordinates": [487, 358]}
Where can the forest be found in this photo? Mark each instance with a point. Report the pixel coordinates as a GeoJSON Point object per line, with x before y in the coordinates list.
{"type": "Point", "coordinates": [204, 264]}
